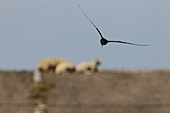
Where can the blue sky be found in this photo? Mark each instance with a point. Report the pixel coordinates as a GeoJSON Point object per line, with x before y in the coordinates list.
{"type": "Point", "coordinates": [31, 30]}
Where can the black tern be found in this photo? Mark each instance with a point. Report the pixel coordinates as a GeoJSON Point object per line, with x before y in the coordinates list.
{"type": "Point", "coordinates": [104, 41]}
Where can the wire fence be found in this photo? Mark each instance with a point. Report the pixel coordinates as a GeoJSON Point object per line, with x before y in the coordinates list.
{"type": "Point", "coordinates": [86, 108]}
{"type": "Point", "coordinates": [154, 105]}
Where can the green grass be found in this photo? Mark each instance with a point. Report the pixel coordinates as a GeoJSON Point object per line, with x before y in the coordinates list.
{"type": "Point", "coordinates": [38, 93]}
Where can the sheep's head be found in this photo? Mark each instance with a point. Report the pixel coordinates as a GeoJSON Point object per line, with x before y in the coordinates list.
{"type": "Point", "coordinates": [97, 62]}
{"type": "Point", "coordinates": [70, 69]}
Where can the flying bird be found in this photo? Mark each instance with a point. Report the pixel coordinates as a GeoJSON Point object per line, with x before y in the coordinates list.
{"type": "Point", "coordinates": [103, 40]}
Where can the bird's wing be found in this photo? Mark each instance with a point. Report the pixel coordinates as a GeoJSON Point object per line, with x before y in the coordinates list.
{"type": "Point", "coordinates": [118, 41]}
{"type": "Point", "coordinates": [90, 21]}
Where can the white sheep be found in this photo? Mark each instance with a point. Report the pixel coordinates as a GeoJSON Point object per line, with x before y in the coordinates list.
{"type": "Point", "coordinates": [88, 67]}
{"type": "Point", "coordinates": [49, 64]}
{"type": "Point", "coordinates": [64, 67]}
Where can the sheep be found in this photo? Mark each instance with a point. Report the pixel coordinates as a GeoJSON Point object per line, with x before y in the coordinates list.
{"type": "Point", "coordinates": [88, 67]}
{"type": "Point", "coordinates": [49, 64]}
{"type": "Point", "coordinates": [64, 67]}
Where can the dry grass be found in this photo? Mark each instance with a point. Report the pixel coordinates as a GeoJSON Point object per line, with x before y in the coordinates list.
{"type": "Point", "coordinates": [109, 91]}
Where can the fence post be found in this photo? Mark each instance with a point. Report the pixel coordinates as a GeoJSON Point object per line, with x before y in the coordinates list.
{"type": "Point", "coordinates": [40, 107]}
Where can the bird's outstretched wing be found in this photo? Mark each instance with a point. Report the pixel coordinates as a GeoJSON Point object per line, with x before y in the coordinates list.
{"type": "Point", "coordinates": [118, 41]}
{"type": "Point", "coordinates": [91, 22]}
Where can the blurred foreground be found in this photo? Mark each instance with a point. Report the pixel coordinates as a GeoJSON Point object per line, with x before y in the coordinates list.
{"type": "Point", "coordinates": [107, 91]}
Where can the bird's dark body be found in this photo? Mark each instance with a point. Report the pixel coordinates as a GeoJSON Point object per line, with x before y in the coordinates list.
{"type": "Point", "coordinates": [103, 41]}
